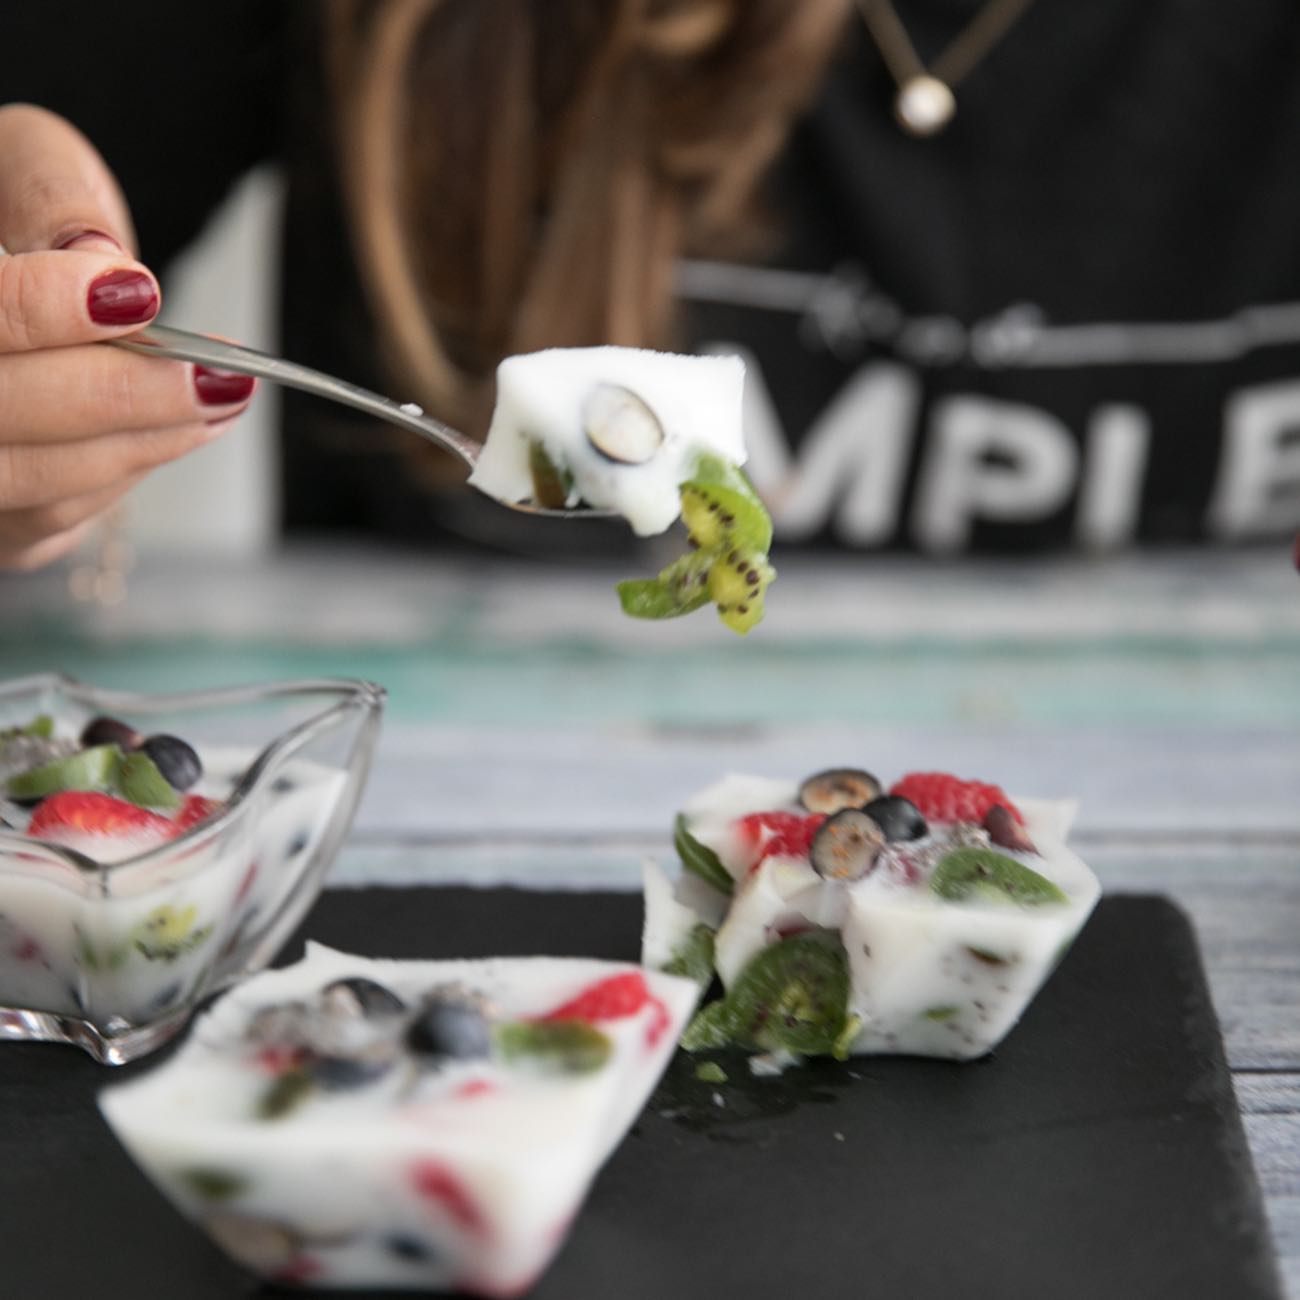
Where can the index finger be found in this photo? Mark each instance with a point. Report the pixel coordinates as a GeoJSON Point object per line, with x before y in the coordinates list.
{"type": "Point", "coordinates": [54, 186]}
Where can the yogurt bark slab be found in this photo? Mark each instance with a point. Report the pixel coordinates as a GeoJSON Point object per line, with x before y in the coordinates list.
{"type": "Point", "coordinates": [934, 947]}
{"type": "Point", "coordinates": [419, 1125]}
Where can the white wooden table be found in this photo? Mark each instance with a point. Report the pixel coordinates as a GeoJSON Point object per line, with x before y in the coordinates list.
{"type": "Point", "coordinates": [536, 736]}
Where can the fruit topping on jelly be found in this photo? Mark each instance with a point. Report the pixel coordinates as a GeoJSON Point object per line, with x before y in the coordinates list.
{"type": "Point", "coordinates": [112, 761]}
{"type": "Point", "coordinates": [948, 906]}
{"type": "Point", "coordinates": [846, 845]}
{"type": "Point", "coordinates": [730, 532]}
{"type": "Point", "coordinates": [620, 425]}
{"type": "Point", "coordinates": [175, 759]}
{"type": "Point", "coordinates": [451, 1023]}
{"type": "Point", "coordinates": [898, 818]}
{"type": "Point", "coordinates": [778, 835]}
{"type": "Point", "coordinates": [72, 816]}
{"type": "Point", "coordinates": [353, 1031]}
{"type": "Point", "coordinates": [110, 731]}
{"type": "Point", "coordinates": [793, 996]}
{"type": "Point", "coordinates": [838, 787]}
{"type": "Point", "coordinates": [945, 798]}
{"type": "Point", "coordinates": [971, 871]}
{"type": "Point", "coordinates": [1006, 830]}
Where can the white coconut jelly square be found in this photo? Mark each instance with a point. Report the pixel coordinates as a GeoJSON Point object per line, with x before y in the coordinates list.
{"type": "Point", "coordinates": [392, 1166]}
{"type": "Point", "coordinates": [927, 975]}
{"type": "Point", "coordinates": [564, 399]}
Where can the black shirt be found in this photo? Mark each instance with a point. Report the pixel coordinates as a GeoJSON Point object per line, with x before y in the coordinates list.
{"type": "Point", "coordinates": [1072, 319]}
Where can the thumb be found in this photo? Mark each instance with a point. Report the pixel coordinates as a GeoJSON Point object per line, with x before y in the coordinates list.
{"type": "Point", "coordinates": [55, 189]}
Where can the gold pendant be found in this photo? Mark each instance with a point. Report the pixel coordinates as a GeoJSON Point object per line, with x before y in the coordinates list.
{"type": "Point", "coordinates": [924, 105]}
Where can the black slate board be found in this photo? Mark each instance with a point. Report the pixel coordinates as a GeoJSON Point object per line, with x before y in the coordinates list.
{"type": "Point", "coordinates": [1099, 1153]}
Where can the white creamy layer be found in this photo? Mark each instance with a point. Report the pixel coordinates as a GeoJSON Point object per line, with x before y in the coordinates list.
{"type": "Point", "coordinates": [79, 953]}
{"type": "Point", "coordinates": [545, 397]}
{"type": "Point", "coordinates": [482, 1163]}
{"type": "Point", "coordinates": [929, 976]}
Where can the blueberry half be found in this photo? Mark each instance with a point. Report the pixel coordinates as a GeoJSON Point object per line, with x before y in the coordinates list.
{"type": "Point", "coordinates": [359, 996]}
{"type": "Point", "coordinates": [899, 818]}
{"type": "Point", "coordinates": [175, 759]}
{"type": "Point", "coordinates": [846, 845]}
{"type": "Point", "coordinates": [450, 1026]}
{"type": "Point", "coordinates": [836, 788]}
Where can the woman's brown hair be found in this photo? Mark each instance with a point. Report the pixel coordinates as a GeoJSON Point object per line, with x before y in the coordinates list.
{"type": "Point", "coordinates": [525, 173]}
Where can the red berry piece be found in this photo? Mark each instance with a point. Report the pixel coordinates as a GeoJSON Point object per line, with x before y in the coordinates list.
{"type": "Point", "coordinates": [779, 834]}
{"type": "Point", "coordinates": [1005, 831]}
{"type": "Point", "coordinates": [193, 810]}
{"type": "Point", "coordinates": [942, 797]}
{"type": "Point", "coordinates": [78, 813]}
{"type": "Point", "coordinates": [615, 998]}
{"type": "Point", "coordinates": [435, 1182]}
{"type": "Point", "coordinates": [608, 999]}
{"type": "Point", "coordinates": [300, 1270]}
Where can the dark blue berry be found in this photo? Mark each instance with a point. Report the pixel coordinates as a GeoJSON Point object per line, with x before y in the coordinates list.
{"type": "Point", "coordinates": [168, 997]}
{"type": "Point", "coordinates": [109, 731]}
{"type": "Point", "coordinates": [450, 1026]}
{"type": "Point", "coordinates": [363, 996]}
{"type": "Point", "coordinates": [405, 1246]}
{"type": "Point", "coordinates": [899, 818]}
{"type": "Point", "coordinates": [339, 1073]}
{"type": "Point", "coordinates": [176, 760]}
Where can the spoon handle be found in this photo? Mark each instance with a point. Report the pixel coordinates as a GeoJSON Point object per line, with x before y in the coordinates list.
{"type": "Point", "coordinates": [180, 345]}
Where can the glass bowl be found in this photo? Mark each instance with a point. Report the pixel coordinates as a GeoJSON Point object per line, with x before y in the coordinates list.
{"type": "Point", "coordinates": [115, 955]}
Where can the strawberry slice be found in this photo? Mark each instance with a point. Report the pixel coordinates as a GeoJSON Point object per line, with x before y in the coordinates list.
{"type": "Point", "coordinates": [942, 797]}
{"type": "Point", "coordinates": [778, 834]}
{"type": "Point", "coordinates": [79, 813]}
{"type": "Point", "coordinates": [193, 810]}
{"type": "Point", "coordinates": [615, 998]}
{"type": "Point", "coordinates": [607, 999]}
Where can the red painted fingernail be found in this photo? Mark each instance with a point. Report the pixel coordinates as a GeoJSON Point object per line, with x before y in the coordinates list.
{"type": "Point", "coordinates": [221, 387]}
{"type": "Point", "coordinates": [122, 298]}
{"type": "Point", "coordinates": [86, 236]}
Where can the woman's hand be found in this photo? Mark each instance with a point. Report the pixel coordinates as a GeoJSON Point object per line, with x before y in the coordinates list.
{"type": "Point", "coordinates": [79, 424]}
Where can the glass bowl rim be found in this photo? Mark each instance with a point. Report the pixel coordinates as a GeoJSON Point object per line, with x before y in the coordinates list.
{"type": "Point", "coordinates": [348, 692]}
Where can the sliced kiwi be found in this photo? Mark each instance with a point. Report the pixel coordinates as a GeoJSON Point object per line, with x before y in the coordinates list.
{"type": "Point", "coordinates": [550, 484]}
{"type": "Point", "coordinates": [212, 1184]}
{"type": "Point", "coordinates": [693, 957]}
{"type": "Point", "coordinates": [975, 871]}
{"type": "Point", "coordinates": [720, 508]}
{"type": "Point", "coordinates": [712, 1027]}
{"type": "Point", "coordinates": [700, 860]}
{"type": "Point", "coordinates": [731, 532]}
{"type": "Point", "coordinates": [285, 1094]}
{"type": "Point", "coordinates": [139, 780]}
{"type": "Point", "coordinates": [792, 996]}
{"type": "Point", "coordinates": [570, 1046]}
{"type": "Point", "coordinates": [87, 769]}
{"type": "Point", "coordinates": [738, 581]}
{"type": "Point", "coordinates": [679, 589]}
{"type": "Point", "coordinates": [40, 727]}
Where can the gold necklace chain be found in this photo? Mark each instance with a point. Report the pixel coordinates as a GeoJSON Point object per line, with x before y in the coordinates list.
{"type": "Point", "coordinates": [925, 104]}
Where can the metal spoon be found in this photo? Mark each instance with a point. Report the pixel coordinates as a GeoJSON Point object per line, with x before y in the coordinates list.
{"type": "Point", "coordinates": [181, 345]}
